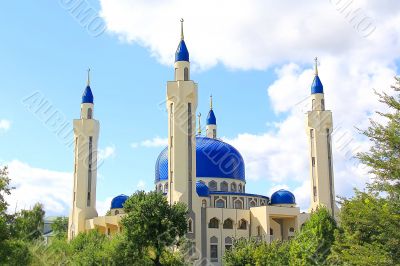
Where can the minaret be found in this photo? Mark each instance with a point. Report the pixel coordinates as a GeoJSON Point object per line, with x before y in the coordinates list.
{"type": "Point", "coordinates": [319, 129]}
{"type": "Point", "coordinates": [211, 129]}
{"type": "Point", "coordinates": [182, 106]}
{"type": "Point", "coordinates": [86, 134]}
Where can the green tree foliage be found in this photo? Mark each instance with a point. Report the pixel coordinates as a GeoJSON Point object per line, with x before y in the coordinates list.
{"type": "Point", "coordinates": [152, 224]}
{"type": "Point", "coordinates": [253, 252]}
{"type": "Point", "coordinates": [60, 227]}
{"type": "Point", "coordinates": [369, 232]}
{"type": "Point", "coordinates": [311, 246]}
{"type": "Point", "coordinates": [28, 224]}
{"type": "Point", "coordinates": [383, 158]}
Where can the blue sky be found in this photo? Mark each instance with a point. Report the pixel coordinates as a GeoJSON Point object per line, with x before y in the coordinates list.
{"type": "Point", "coordinates": [255, 84]}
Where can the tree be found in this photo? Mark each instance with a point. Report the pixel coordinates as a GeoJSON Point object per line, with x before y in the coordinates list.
{"type": "Point", "coordinates": [242, 253]}
{"type": "Point", "coordinates": [273, 254]}
{"type": "Point", "coordinates": [369, 232]}
{"type": "Point", "coordinates": [151, 224]}
{"type": "Point", "coordinates": [383, 157]}
{"type": "Point", "coordinates": [311, 246]}
{"type": "Point", "coordinates": [28, 224]}
{"type": "Point", "coordinates": [5, 235]}
{"type": "Point", "coordinates": [60, 227]}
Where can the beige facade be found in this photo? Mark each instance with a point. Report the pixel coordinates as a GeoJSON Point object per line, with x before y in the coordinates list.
{"type": "Point", "coordinates": [197, 170]}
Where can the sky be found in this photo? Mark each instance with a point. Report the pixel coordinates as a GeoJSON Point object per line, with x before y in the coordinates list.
{"type": "Point", "coordinates": [254, 57]}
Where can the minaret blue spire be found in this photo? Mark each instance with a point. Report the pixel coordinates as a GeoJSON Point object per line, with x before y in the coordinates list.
{"type": "Point", "coordinates": [316, 86]}
{"type": "Point", "coordinates": [211, 120]}
{"type": "Point", "coordinates": [182, 53]}
{"type": "Point", "coordinates": [87, 96]}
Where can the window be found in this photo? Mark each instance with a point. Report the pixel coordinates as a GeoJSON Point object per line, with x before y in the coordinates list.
{"type": "Point", "coordinates": [242, 224]}
{"type": "Point", "coordinates": [212, 185]}
{"type": "Point", "coordinates": [185, 73]}
{"type": "Point", "coordinates": [89, 170]}
{"type": "Point", "coordinates": [271, 231]}
{"type": "Point", "coordinates": [291, 230]}
{"type": "Point", "coordinates": [258, 230]}
{"type": "Point", "coordinates": [228, 243]}
{"type": "Point", "coordinates": [166, 188]}
{"type": "Point", "coordinates": [203, 203]}
{"type": "Point", "coordinates": [240, 187]}
{"type": "Point", "coordinates": [224, 186]}
{"type": "Point", "coordinates": [228, 224]}
{"type": "Point", "coordinates": [220, 203]}
{"type": "Point", "coordinates": [116, 212]}
{"type": "Point", "coordinates": [176, 74]}
{"type": "Point", "coordinates": [214, 248]}
{"type": "Point", "coordinates": [108, 231]}
{"type": "Point", "coordinates": [159, 188]}
{"type": "Point", "coordinates": [233, 187]}
{"type": "Point", "coordinates": [322, 104]}
{"type": "Point", "coordinates": [214, 133]}
{"type": "Point", "coordinates": [89, 113]}
{"type": "Point", "coordinates": [214, 223]}
{"type": "Point", "coordinates": [313, 161]}
{"type": "Point", "coordinates": [190, 226]}
{"type": "Point", "coordinates": [313, 104]}
{"type": "Point", "coordinates": [252, 203]}
{"type": "Point", "coordinates": [244, 190]}
{"type": "Point", "coordinates": [238, 204]}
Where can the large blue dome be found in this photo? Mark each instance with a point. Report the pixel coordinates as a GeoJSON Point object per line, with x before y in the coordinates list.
{"type": "Point", "coordinates": [214, 158]}
{"type": "Point", "coordinates": [283, 196]}
{"type": "Point", "coordinates": [118, 201]}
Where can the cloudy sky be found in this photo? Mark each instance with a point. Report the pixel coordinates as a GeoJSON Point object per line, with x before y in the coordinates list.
{"type": "Point", "coordinates": [255, 57]}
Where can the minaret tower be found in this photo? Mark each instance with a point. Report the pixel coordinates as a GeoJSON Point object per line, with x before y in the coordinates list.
{"type": "Point", "coordinates": [211, 129]}
{"type": "Point", "coordinates": [86, 134]}
{"type": "Point", "coordinates": [319, 129]}
{"type": "Point", "coordinates": [182, 106]}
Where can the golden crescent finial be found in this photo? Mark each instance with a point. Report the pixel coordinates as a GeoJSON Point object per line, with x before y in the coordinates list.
{"type": "Point", "coordinates": [182, 37]}
{"type": "Point", "coordinates": [88, 77]}
{"type": "Point", "coordinates": [316, 65]}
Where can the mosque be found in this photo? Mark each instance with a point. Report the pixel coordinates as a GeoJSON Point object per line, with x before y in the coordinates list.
{"type": "Point", "coordinates": [206, 173]}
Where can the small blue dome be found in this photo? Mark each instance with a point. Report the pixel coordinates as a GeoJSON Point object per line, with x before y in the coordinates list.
{"type": "Point", "coordinates": [214, 159]}
{"type": "Point", "coordinates": [182, 53]}
{"type": "Point", "coordinates": [316, 86]}
{"type": "Point", "coordinates": [211, 120]}
{"type": "Point", "coordinates": [87, 96]}
{"type": "Point", "coordinates": [118, 201]}
{"type": "Point", "coordinates": [283, 196]}
{"type": "Point", "coordinates": [202, 189]}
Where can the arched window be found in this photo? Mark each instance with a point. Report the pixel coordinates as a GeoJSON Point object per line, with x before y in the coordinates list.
{"type": "Point", "coordinates": [228, 243]}
{"type": "Point", "coordinates": [166, 188]}
{"type": "Point", "coordinates": [89, 113]}
{"type": "Point", "coordinates": [242, 224]}
{"type": "Point", "coordinates": [214, 223]}
{"type": "Point", "coordinates": [252, 203]}
{"type": "Point", "coordinates": [116, 212]}
{"type": "Point", "coordinates": [291, 230]}
{"type": "Point", "coordinates": [185, 73]}
{"type": "Point", "coordinates": [244, 188]}
{"type": "Point", "coordinates": [190, 226]}
{"type": "Point", "coordinates": [233, 187]}
{"type": "Point", "coordinates": [214, 248]}
{"type": "Point", "coordinates": [212, 185]}
{"type": "Point", "coordinates": [322, 104]}
{"type": "Point", "coordinates": [224, 186]}
{"type": "Point", "coordinates": [271, 231]}
{"type": "Point", "coordinates": [159, 188]}
{"type": "Point", "coordinates": [228, 224]}
{"type": "Point", "coordinates": [240, 187]}
{"type": "Point", "coordinates": [203, 203]}
{"type": "Point", "coordinates": [238, 204]}
{"type": "Point", "coordinates": [220, 203]}
{"type": "Point", "coordinates": [313, 104]}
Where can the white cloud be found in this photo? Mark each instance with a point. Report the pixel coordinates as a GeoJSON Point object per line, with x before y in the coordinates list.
{"type": "Point", "coordinates": [141, 185]}
{"type": "Point", "coordinates": [255, 34]}
{"type": "Point", "coordinates": [51, 188]}
{"type": "Point", "coordinates": [151, 143]}
{"type": "Point", "coordinates": [103, 206]}
{"type": "Point", "coordinates": [107, 152]}
{"type": "Point", "coordinates": [5, 124]}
